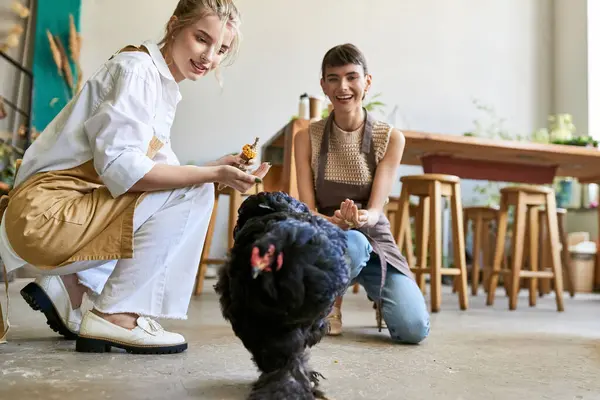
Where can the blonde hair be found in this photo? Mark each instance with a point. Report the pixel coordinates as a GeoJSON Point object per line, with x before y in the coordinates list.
{"type": "Point", "coordinates": [188, 12]}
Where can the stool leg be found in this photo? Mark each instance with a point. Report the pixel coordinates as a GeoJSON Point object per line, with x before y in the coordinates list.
{"type": "Point", "coordinates": [517, 250]}
{"type": "Point", "coordinates": [435, 198]}
{"type": "Point", "coordinates": [544, 256]}
{"type": "Point", "coordinates": [566, 256]}
{"type": "Point", "coordinates": [455, 280]}
{"type": "Point", "coordinates": [423, 222]}
{"type": "Point", "coordinates": [499, 250]}
{"type": "Point", "coordinates": [206, 247]}
{"type": "Point", "coordinates": [533, 252]}
{"type": "Point", "coordinates": [403, 232]}
{"type": "Point", "coordinates": [235, 201]}
{"type": "Point", "coordinates": [552, 225]}
{"type": "Point", "coordinates": [477, 239]}
{"type": "Point", "coordinates": [392, 216]}
{"type": "Point", "coordinates": [487, 263]}
{"type": "Point", "coordinates": [458, 241]}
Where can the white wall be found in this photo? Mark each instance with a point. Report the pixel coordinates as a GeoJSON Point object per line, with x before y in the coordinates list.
{"type": "Point", "coordinates": [593, 67]}
{"type": "Point", "coordinates": [429, 57]}
{"type": "Point", "coordinates": [571, 61]}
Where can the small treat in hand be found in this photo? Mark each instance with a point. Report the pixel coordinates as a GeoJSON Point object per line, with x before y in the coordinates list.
{"type": "Point", "coordinates": [248, 154]}
{"type": "Point", "coordinates": [249, 151]}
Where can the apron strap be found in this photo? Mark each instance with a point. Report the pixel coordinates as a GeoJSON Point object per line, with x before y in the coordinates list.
{"type": "Point", "coordinates": [4, 327]}
{"type": "Point", "coordinates": [131, 48]}
{"type": "Point", "coordinates": [368, 149]}
{"type": "Point", "coordinates": [383, 266]}
{"type": "Point", "coordinates": [323, 154]}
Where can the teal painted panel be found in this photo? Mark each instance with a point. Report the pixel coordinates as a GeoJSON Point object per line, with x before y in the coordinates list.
{"type": "Point", "coordinates": [52, 15]}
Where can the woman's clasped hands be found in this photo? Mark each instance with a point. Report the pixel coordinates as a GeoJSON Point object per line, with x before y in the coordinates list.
{"type": "Point", "coordinates": [348, 216]}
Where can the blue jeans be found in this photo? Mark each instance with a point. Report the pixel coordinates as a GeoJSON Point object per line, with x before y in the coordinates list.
{"type": "Point", "coordinates": [404, 308]}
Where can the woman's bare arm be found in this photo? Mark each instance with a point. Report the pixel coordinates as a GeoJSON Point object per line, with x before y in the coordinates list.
{"type": "Point", "coordinates": [168, 177]}
{"type": "Point", "coordinates": [304, 175]}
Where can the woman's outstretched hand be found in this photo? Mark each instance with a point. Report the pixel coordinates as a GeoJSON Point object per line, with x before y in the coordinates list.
{"type": "Point", "coordinates": [240, 180]}
{"type": "Point", "coordinates": [234, 160]}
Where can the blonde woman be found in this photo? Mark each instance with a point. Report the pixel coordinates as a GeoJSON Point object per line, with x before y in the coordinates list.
{"type": "Point", "coordinates": [101, 204]}
{"type": "Point", "coordinates": [346, 167]}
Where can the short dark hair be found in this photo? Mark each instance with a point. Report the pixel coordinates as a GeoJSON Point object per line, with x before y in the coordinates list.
{"type": "Point", "coordinates": [344, 54]}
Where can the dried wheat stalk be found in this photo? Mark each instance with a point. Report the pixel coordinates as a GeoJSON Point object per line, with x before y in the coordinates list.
{"type": "Point", "coordinates": [65, 64]}
{"type": "Point", "coordinates": [79, 79]}
{"type": "Point", "coordinates": [61, 59]}
{"type": "Point", "coordinates": [74, 40]}
{"type": "Point", "coordinates": [55, 52]}
{"type": "Point", "coordinates": [75, 48]}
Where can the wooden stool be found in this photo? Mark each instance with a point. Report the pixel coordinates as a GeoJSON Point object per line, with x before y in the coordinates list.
{"type": "Point", "coordinates": [430, 188]}
{"type": "Point", "coordinates": [545, 286]}
{"type": "Point", "coordinates": [235, 200]}
{"type": "Point", "coordinates": [527, 200]}
{"type": "Point", "coordinates": [482, 218]}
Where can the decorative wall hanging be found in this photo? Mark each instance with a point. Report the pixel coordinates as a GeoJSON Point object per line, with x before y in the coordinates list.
{"type": "Point", "coordinates": [56, 58]}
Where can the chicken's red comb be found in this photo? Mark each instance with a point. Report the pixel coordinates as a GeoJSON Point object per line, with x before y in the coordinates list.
{"type": "Point", "coordinates": [263, 263]}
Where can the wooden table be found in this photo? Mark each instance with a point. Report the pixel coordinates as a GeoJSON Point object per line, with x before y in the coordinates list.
{"type": "Point", "coordinates": [465, 156]}
{"type": "Point", "coordinates": [500, 160]}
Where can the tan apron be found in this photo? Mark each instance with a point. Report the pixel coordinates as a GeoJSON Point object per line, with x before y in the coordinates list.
{"type": "Point", "coordinates": [329, 195]}
{"type": "Point", "coordinates": [56, 218]}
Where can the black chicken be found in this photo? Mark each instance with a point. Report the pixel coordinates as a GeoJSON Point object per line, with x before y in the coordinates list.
{"type": "Point", "coordinates": [277, 287]}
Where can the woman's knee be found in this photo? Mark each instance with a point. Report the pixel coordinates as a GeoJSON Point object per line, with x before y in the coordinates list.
{"type": "Point", "coordinates": [358, 253]}
{"type": "Point", "coordinates": [409, 329]}
{"type": "Point", "coordinates": [405, 310]}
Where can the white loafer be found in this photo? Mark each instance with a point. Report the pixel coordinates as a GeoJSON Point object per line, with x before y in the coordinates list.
{"type": "Point", "coordinates": [49, 295]}
{"type": "Point", "coordinates": [98, 335]}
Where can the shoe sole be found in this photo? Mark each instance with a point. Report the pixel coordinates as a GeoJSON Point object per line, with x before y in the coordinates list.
{"type": "Point", "coordinates": [91, 345]}
{"type": "Point", "coordinates": [38, 300]}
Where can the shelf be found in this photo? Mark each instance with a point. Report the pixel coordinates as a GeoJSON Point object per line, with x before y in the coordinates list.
{"type": "Point", "coordinates": [24, 113]}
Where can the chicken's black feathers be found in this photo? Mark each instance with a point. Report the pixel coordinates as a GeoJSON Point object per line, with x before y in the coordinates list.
{"type": "Point", "coordinates": [280, 313]}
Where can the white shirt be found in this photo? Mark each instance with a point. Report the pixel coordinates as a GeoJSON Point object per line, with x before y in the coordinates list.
{"type": "Point", "coordinates": [128, 100]}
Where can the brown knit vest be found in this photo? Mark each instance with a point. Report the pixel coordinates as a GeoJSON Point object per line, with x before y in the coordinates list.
{"type": "Point", "coordinates": [345, 162]}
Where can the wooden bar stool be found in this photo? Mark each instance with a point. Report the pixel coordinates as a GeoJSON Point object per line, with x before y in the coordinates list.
{"type": "Point", "coordinates": [390, 210]}
{"type": "Point", "coordinates": [545, 285]}
{"type": "Point", "coordinates": [235, 200]}
{"type": "Point", "coordinates": [482, 218]}
{"type": "Point", "coordinates": [527, 200]}
{"type": "Point", "coordinates": [431, 188]}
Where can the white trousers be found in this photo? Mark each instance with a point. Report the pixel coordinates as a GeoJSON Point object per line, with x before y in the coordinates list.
{"type": "Point", "coordinates": [169, 232]}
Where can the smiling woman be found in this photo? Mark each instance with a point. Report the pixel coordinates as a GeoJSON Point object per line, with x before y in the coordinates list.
{"type": "Point", "coordinates": [101, 200]}
{"type": "Point", "coordinates": [346, 167]}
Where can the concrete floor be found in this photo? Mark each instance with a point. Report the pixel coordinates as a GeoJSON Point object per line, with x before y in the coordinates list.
{"type": "Point", "coordinates": [484, 353]}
